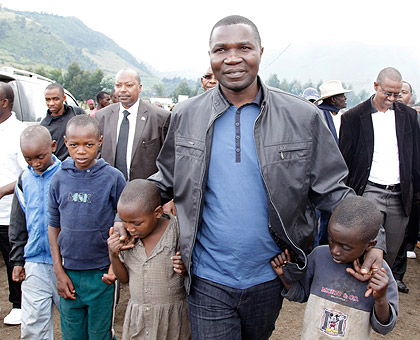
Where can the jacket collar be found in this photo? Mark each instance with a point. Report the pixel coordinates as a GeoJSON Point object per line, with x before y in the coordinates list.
{"type": "Point", "coordinates": [328, 107]}
{"type": "Point", "coordinates": [49, 118]}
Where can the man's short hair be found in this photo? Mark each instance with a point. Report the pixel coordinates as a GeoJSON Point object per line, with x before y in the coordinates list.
{"type": "Point", "coordinates": [141, 192]}
{"type": "Point", "coordinates": [82, 121]}
{"type": "Point", "coordinates": [6, 92]}
{"type": "Point", "coordinates": [100, 95]}
{"type": "Point", "coordinates": [236, 20]}
{"type": "Point", "coordinates": [390, 73]}
{"type": "Point", "coordinates": [356, 212]}
{"type": "Point", "coordinates": [409, 85]}
{"type": "Point", "coordinates": [132, 70]}
{"type": "Point", "coordinates": [55, 86]}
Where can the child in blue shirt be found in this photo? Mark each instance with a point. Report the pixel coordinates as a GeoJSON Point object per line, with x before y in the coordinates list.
{"type": "Point", "coordinates": [338, 305]}
{"type": "Point", "coordinates": [28, 234]}
{"type": "Point", "coordinates": [83, 201]}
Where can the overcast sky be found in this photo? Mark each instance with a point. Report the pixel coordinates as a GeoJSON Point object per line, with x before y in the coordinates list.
{"type": "Point", "coordinates": [173, 35]}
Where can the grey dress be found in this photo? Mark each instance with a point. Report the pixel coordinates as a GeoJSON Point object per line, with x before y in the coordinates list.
{"type": "Point", "coordinates": [157, 308]}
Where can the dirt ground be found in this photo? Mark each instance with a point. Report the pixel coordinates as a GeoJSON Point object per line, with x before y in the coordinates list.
{"type": "Point", "coordinates": [288, 325]}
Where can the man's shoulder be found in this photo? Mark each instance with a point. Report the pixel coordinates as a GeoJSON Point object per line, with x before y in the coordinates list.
{"type": "Point", "coordinates": [362, 108]}
{"type": "Point", "coordinates": [155, 110]}
{"type": "Point", "coordinates": [107, 110]}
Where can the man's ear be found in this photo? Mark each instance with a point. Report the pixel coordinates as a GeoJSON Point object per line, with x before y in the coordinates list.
{"type": "Point", "coordinates": [53, 145]}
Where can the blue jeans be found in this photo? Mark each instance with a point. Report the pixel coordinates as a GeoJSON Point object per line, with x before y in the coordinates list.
{"type": "Point", "coordinates": [221, 312]}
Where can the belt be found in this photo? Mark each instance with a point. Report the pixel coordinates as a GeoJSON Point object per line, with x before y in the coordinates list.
{"type": "Point", "coordinates": [390, 187]}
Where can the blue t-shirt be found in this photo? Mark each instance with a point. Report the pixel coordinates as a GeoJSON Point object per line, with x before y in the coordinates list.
{"type": "Point", "coordinates": [233, 245]}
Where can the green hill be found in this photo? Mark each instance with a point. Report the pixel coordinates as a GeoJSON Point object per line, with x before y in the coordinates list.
{"type": "Point", "coordinates": [30, 39]}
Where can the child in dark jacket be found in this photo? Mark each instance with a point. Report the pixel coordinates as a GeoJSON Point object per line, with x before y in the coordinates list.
{"type": "Point", "coordinates": [28, 234]}
{"type": "Point", "coordinates": [83, 201]}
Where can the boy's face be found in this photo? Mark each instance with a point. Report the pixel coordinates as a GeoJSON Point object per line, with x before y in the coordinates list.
{"type": "Point", "coordinates": [138, 223]}
{"type": "Point", "coordinates": [83, 144]}
{"type": "Point", "coordinates": [38, 155]}
{"type": "Point", "coordinates": [345, 243]}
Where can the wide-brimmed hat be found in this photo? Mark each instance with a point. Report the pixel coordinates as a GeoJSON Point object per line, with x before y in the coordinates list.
{"type": "Point", "coordinates": [331, 88]}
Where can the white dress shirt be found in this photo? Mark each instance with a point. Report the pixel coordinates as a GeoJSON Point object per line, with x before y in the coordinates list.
{"type": "Point", "coordinates": [385, 167]}
{"type": "Point", "coordinates": [132, 119]}
{"type": "Point", "coordinates": [12, 162]}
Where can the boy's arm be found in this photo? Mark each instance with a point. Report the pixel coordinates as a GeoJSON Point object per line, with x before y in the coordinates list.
{"type": "Point", "coordinates": [7, 189]}
{"type": "Point", "coordinates": [114, 246]}
{"type": "Point", "coordinates": [64, 285]}
{"type": "Point", "coordinates": [384, 291]}
{"type": "Point", "coordinates": [18, 233]}
{"type": "Point", "coordinates": [278, 263]}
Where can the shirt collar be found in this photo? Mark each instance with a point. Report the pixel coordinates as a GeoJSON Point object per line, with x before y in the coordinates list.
{"type": "Point", "coordinates": [256, 101]}
{"type": "Point", "coordinates": [49, 118]}
{"type": "Point", "coordinates": [374, 109]}
{"type": "Point", "coordinates": [132, 109]}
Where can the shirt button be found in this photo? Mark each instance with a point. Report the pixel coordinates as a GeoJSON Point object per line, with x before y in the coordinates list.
{"type": "Point", "coordinates": [237, 123]}
{"type": "Point", "coordinates": [147, 332]}
{"type": "Point", "coordinates": [238, 150]}
{"type": "Point", "coordinates": [237, 137]}
{"type": "Point", "coordinates": [146, 290]}
{"type": "Point", "coordinates": [147, 309]}
{"type": "Point", "coordinates": [88, 170]}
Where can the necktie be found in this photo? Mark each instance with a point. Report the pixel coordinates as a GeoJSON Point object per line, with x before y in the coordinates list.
{"type": "Point", "coordinates": [121, 152]}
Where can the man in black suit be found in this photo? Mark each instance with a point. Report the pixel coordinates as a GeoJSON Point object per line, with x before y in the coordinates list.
{"type": "Point", "coordinates": [379, 140]}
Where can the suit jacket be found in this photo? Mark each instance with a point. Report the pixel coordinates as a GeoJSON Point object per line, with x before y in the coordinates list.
{"type": "Point", "coordinates": [356, 143]}
{"type": "Point", "coordinates": [151, 127]}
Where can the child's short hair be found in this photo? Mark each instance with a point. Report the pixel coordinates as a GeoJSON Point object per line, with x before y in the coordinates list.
{"type": "Point", "coordinates": [84, 120]}
{"type": "Point", "coordinates": [142, 192]}
{"type": "Point", "coordinates": [36, 133]}
{"type": "Point", "coordinates": [358, 212]}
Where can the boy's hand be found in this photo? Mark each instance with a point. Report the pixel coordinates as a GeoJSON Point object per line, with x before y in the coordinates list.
{"type": "Point", "coordinates": [110, 277]}
{"type": "Point", "coordinates": [18, 273]}
{"type": "Point", "coordinates": [378, 285]}
{"type": "Point", "coordinates": [178, 264]}
{"type": "Point", "coordinates": [127, 241]}
{"type": "Point", "coordinates": [280, 261]}
{"type": "Point", "coordinates": [65, 287]}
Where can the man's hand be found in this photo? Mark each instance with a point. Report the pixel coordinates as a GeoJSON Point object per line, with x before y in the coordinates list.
{"type": "Point", "coordinates": [371, 265]}
{"type": "Point", "coordinates": [280, 261]}
{"type": "Point", "coordinates": [65, 287]}
{"type": "Point", "coordinates": [127, 241]}
{"type": "Point", "coordinates": [18, 273]}
{"type": "Point", "coordinates": [114, 243]}
{"type": "Point", "coordinates": [178, 264]}
{"type": "Point", "coordinates": [169, 208]}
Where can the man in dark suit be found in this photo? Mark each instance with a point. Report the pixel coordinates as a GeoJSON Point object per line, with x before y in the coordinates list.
{"type": "Point", "coordinates": [133, 130]}
{"type": "Point", "coordinates": [379, 140]}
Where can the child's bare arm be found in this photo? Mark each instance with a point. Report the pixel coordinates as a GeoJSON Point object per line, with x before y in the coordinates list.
{"type": "Point", "coordinates": [65, 287]}
{"type": "Point", "coordinates": [379, 285]}
{"type": "Point", "coordinates": [278, 263]}
{"type": "Point", "coordinates": [178, 264]}
{"type": "Point", "coordinates": [114, 246]}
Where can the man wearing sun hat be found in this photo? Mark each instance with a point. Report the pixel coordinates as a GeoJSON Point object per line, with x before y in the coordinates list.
{"type": "Point", "coordinates": [333, 100]}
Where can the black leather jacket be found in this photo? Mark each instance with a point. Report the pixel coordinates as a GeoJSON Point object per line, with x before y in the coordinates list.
{"type": "Point", "coordinates": [301, 166]}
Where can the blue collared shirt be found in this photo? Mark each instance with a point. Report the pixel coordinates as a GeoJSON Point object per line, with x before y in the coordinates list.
{"type": "Point", "coordinates": [234, 246]}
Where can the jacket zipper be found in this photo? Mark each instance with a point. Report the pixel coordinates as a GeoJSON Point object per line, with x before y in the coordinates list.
{"type": "Point", "coordinates": [201, 195]}
{"type": "Point", "coordinates": [269, 193]}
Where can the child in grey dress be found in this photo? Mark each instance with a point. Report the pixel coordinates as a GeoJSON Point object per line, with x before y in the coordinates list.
{"type": "Point", "coordinates": [157, 308]}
